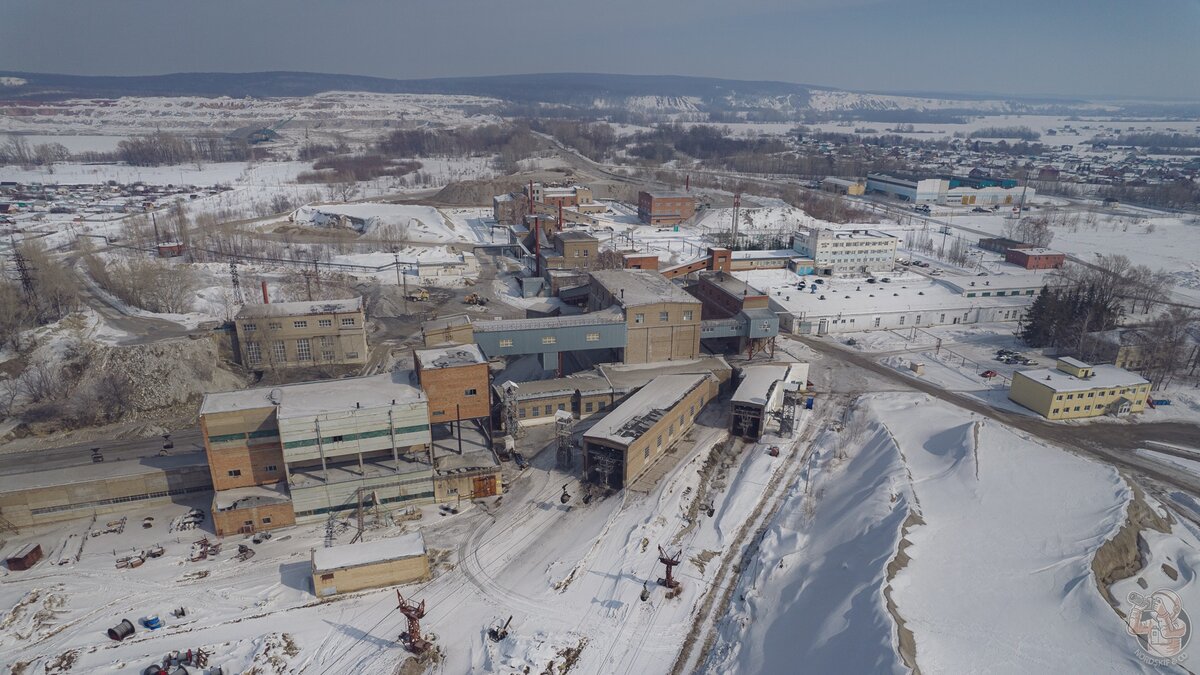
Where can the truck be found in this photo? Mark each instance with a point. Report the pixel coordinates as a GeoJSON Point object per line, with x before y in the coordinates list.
{"type": "Point", "coordinates": [418, 295]}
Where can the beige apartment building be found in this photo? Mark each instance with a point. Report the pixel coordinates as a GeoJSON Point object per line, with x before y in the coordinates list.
{"type": "Point", "coordinates": [299, 334]}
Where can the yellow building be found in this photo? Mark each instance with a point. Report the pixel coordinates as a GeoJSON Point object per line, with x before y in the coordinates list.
{"type": "Point", "coordinates": [302, 334]}
{"type": "Point", "coordinates": [1074, 390]}
{"type": "Point", "coordinates": [374, 564]}
{"type": "Point", "coordinates": [636, 434]}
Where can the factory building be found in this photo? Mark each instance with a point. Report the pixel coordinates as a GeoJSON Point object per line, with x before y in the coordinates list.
{"type": "Point", "coordinates": [760, 396]}
{"type": "Point", "coordinates": [848, 306]}
{"type": "Point", "coordinates": [299, 334]}
{"type": "Point", "coordinates": [299, 452]}
{"type": "Point", "coordinates": [960, 190]}
{"type": "Point", "coordinates": [847, 252]}
{"type": "Point", "coordinates": [639, 431]}
{"type": "Point", "coordinates": [598, 390]}
{"type": "Point", "coordinates": [364, 565]}
{"type": "Point", "coordinates": [1035, 258]}
{"type": "Point", "coordinates": [98, 489]}
{"type": "Point", "coordinates": [665, 208]}
{"type": "Point", "coordinates": [455, 380]}
{"type": "Point", "coordinates": [662, 321]}
{"type": "Point", "coordinates": [1001, 244]}
{"type": "Point", "coordinates": [1074, 389]}
{"type": "Point", "coordinates": [841, 186]}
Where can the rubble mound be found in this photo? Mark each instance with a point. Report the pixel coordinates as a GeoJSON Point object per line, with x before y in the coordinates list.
{"type": "Point", "coordinates": [162, 374]}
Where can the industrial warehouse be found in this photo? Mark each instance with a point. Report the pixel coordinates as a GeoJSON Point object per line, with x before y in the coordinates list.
{"type": "Point", "coordinates": [282, 455]}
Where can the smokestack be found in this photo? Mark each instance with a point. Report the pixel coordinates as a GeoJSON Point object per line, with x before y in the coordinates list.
{"type": "Point", "coordinates": [560, 220]}
{"type": "Point", "coordinates": [266, 300]}
{"type": "Point", "coordinates": [687, 182]}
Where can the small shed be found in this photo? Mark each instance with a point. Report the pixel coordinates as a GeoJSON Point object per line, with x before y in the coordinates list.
{"type": "Point", "coordinates": [374, 564]}
{"type": "Point", "coordinates": [27, 557]}
{"type": "Point", "coordinates": [170, 249]}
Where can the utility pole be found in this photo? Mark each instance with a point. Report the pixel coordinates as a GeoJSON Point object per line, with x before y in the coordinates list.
{"type": "Point", "coordinates": [400, 280]}
{"type": "Point", "coordinates": [737, 202]}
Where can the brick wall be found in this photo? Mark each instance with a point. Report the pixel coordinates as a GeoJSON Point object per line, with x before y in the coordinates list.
{"type": "Point", "coordinates": [446, 389]}
{"type": "Point", "coordinates": [232, 521]}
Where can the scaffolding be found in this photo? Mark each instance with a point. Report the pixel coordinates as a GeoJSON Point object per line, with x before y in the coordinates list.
{"type": "Point", "coordinates": [563, 421]}
{"type": "Point", "coordinates": [787, 413]}
{"type": "Point", "coordinates": [508, 408]}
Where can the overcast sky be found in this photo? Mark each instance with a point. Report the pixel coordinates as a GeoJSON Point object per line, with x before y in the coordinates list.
{"type": "Point", "coordinates": [1130, 48]}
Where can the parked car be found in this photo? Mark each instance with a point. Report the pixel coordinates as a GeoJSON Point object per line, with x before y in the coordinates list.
{"type": "Point", "coordinates": [988, 374]}
{"type": "Point", "coordinates": [979, 209]}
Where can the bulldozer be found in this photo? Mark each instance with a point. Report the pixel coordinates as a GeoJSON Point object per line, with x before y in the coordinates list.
{"type": "Point", "coordinates": [475, 299]}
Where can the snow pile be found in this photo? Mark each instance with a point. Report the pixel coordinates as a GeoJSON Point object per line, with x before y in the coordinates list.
{"type": "Point", "coordinates": [424, 224]}
{"type": "Point", "coordinates": [994, 568]}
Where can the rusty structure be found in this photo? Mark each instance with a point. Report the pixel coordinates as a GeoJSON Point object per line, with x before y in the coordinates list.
{"type": "Point", "coordinates": [414, 613]}
{"type": "Point", "coordinates": [670, 562]}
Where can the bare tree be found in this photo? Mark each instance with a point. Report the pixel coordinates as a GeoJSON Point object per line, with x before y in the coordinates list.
{"type": "Point", "coordinates": [344, 190]}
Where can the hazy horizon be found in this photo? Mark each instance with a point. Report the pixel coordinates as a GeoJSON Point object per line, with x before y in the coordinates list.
{"type": "Point", "coordinates": [1072, 49]}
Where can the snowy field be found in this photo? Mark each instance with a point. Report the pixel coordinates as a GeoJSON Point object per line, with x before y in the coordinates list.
{"type": "Point", "coordinates": [952, 540]}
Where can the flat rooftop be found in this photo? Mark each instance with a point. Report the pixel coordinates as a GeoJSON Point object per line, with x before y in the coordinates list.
{"type": "Point", "coordinates": [408, 545]}
{"type": "Point", "coordinates": [576, 235]}
{"type": "Point", "coordinates": [628, 421]}
{"type": "Point", "coordinates": [757, 382]}
{"type": "Point", "coordinates": [781, 253]}
{"type": "Point", "coordinates": [669, 194]}
{"type": "Point", "coordinates": [852, 297]}
{"type": "Point", "coordinates": [342, 470]}
{"type": "Point", "coordinates": [252, 496]}
{"type": "Point", "coordinates": [306, 308]}
{"type": "Point", "coordinates": [560, 386]}
{"type": "Point", "coordinates": [627, 377]}
{"type": "Point", "coordinates": [86, 470]}
{"type": "Point", "coordinates": [475, 454]}
{"type": "Point", "coordinates": [730, 284]}
{"type": "Point", "coordinates": [449, 356]}
{"type": "Point", "coordinates": [320, 397]}
{"type": "Point", "coordinates": [447, 322]}
{"type": "Point", "coordinates": [632, 288]}
{"type": "Point", "coordinates": [856, 232]}
{"type": "Point", "coordinates": [996, 282]}
{"type": "Point", "coordinates": [1040, 251]}
{"type": "Point", "coordinates": [1104, 377]}
{"type": "Point", "coordinates": [604, 316]}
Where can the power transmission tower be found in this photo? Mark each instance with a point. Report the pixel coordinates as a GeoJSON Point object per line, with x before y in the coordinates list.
{"type": "Point", "coordinates": [237, 284]}
{"type": "Point", "coordinates": [23, 270]}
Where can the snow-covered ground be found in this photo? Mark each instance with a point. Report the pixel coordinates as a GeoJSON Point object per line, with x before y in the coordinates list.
{"type": "Point", "coordinates": [570, 576]}
{"type": "Point", "coordinates": [996, 531]}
